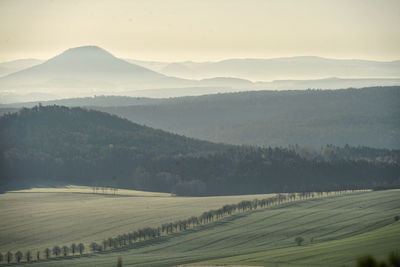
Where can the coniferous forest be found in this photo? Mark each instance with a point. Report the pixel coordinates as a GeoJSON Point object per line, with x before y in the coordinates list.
{"type": "Point", "coordinates": [93, 148]}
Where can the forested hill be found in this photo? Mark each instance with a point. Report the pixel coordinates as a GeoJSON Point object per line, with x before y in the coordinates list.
{"type": "Point", "coordinates": [44, 126]}
{"type": "Point", "coordinates": [60, 145]}
{"type": "Point", "coordinates": [310, 118]}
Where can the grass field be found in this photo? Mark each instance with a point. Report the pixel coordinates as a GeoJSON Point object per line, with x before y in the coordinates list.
{"type": "Point", "coordinates": [342, 228]}
{"type": "Point", "coordinates": [330, 253]}
{"type": "Point", "coordinates": [44, 217]}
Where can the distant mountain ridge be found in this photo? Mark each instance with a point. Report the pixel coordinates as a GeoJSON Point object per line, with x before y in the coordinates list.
{"type": "Point", "coordinates": [85, 61]}
{"type": "Point", "coordinates": [90, 70]}
{"type": "Point", "coordinates": [81, 71]}
{"type": "Point", "coordinates": [310, 118]}
{"type": "Point", "coordinates": [293, 68]}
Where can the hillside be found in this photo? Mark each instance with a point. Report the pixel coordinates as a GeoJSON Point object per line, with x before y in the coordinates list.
{"type": "Point", "coordinates": [312, 119]}
{"type": "Point", "coordinates": [98, 216]}
{"type": "Point", "coordinates": [362, 223]}
{"type": "Point", "coordinates": [378, 242]}
{"type": "Point", "coordinates": [309, 118]}
{"type": "Point", "coordinates": [56, 145]}
{"type": "Point", "coordinates": [17, 65]}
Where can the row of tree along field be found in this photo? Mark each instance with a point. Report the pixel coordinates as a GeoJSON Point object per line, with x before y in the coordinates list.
{"type": "Point", "coordinates": [150, 233]}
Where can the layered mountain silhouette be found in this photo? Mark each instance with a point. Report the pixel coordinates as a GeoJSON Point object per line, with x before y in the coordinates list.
{"type": "Point", "coordinates": [312, 118]}
{"type": "Point", "coordinates": [86, 63]}
{"type": "Point", "coordinates": [90, 70]}
{"type": "Point", "coordinates": [257, 69]}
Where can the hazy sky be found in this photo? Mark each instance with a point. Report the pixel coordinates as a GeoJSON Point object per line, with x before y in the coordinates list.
{"type": "Point", "coordinates": [202, 30]}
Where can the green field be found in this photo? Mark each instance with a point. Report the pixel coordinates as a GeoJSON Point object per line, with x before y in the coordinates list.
{"type": "Point", "coordinates": [44, 217]}
{"type": "Point", "coordinates": [330, 253]}
{"type": "Point", "coordinates": [342, 228]}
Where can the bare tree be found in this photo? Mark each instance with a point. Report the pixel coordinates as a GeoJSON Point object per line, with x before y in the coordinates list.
{"type": "Point", "coordinates": [28, 256]}
{"type": "Point", "coordinates": [56, 250]}
{"type": "Point", "coordinates": [110, 242]}
{"type": "Point", "coordinates": [99, 247]}
{"type": "Point", "coordinates": [18, 256]}
{"type": "Point", "coordinates": [105, 243]}
{"type": "Point", "coordinates": [81, 248]}
{"type": "Point", "coordinates": [47, 252]}
{"type": "Point", "coordinates": [38, 255]}
{"type": "Point", "coordinates": [73, 248]}
{"type": "Point", "coordinates": [1, 257]}
{"type": "Point", "coordinates": [93, 246]}
{"type": "Point", "coordinates": [9, 256]}
{"type": "Point", "coordinates": [65, 250]}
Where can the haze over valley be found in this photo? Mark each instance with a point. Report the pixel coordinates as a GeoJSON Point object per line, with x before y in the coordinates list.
{"type": "Point", "coordinates": [200, 133]}
{"type": "Point", "coordinates": [90, 70]}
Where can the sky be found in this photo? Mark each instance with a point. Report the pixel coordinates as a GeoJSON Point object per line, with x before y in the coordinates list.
{"type": "Point", "coordinates": [202, 30]}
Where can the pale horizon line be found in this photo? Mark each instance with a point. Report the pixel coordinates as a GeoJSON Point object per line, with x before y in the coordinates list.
{"type": "Point", "coordinates": [2, 61]}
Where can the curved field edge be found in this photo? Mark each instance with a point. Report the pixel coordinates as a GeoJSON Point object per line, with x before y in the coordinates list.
{"type": "Point", "coordinates": [342, 252]}
{"type": "Point", "coordinates": [42, 218]}
{"type": "Point", "coordinates": [324, 220]}
{"type": "Point", "coordinates": [105, 191]}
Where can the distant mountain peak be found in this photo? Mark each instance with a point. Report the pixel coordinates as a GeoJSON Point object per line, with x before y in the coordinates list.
{"type": "Point", "coordinates": [85, 51]}
{"type": "Point", "coordinates": [86, 48]}
{"type": "Point", "coordinates": [90, 66]}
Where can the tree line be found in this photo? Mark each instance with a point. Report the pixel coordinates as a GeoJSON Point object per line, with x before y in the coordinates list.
{"type": "Point", "coordinates": [150, 233]}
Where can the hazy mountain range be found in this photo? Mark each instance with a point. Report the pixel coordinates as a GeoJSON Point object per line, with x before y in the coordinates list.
{"type": "Point", "coordinates": [90, 70]}
{"type": "Point", "coordinates": [254, 69]}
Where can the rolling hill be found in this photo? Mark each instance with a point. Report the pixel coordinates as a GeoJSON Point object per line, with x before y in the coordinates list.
{"type": "Point", "coordinates": [337, 230]}
{"type": "Point", "coordinates": [309, 118]}
{"type": "Point", "coordinates": [98, 219]}
{"type": "Point", "coordinates": [57, 145]}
